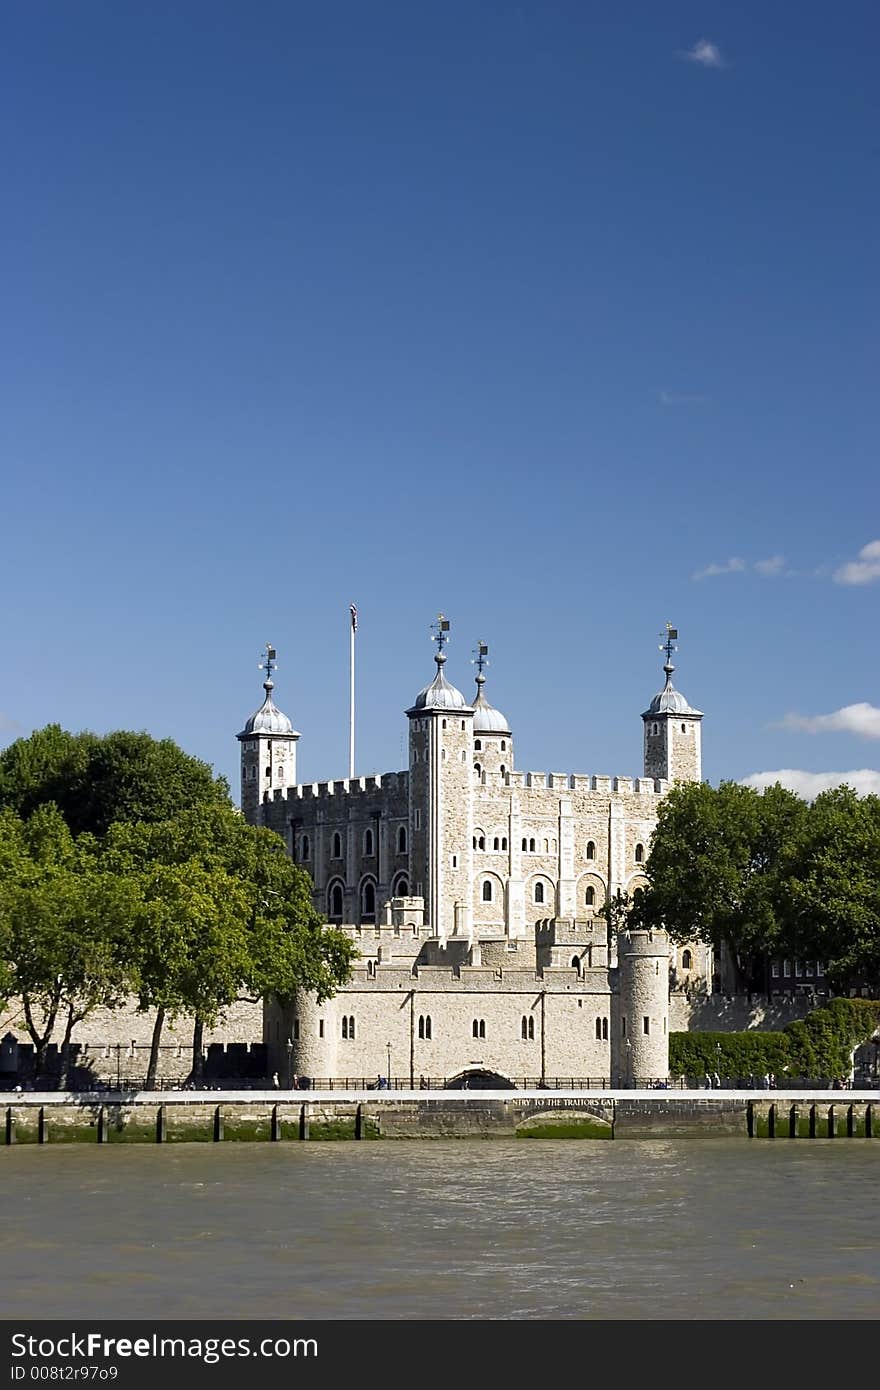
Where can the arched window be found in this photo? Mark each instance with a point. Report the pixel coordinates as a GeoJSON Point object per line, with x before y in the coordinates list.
{"type": "Point", "coordinates": [525, 845]}
{"type": "Point", "coordinates": [527, 1028]}
{"type": "Point", "coordinates": [479, 1028]}
{"type": "Point", "coordinates": [481, 843]}
{"type": "Point", "coordinates": [531, 1029]}
{"type": "Point", "coordinates": [686, 960]}
{"type": "Point", "coordinates": [335, 900]}
{"type": "Point", "coordinates": [590, 897]}
{"type": "Point", "coordinates": [348, 1027]}
{"type": "Point", "coordinates": [531, 846]}
{"type": "Point", "coordinates": [640, 854]}
{"type": "Point", "coordinates": [368, 842]}
{"type": "Point", "coordinates": [504, 842]}
{"type": "Point", "coordinates": [478, 745]}
{"type": "Point", "coordinates": [524, 1028]}
{"type": "Point", "coordinates": [305, 848]}
{"type": "Point", "coordinates": [575, 962]}
{"type": "Point", "coordinates": [371, 969]}
{"type": "Point", "coordinates": [496, 844]}
{"type": "Point", "coordinates": [368, 901]}
{"type": "Point", "coordinates": [425, 1027]}
{"type": "Point", "coordinates": [336, 852]}
{"type": "Point", "coordinates": [503, 745]}
{"type": "Point", "coordinates": [443, 723]}
{"type": "Point", "coordinates": [546, 846]}
{"type": "Point", "coordinates": [604, 1029]}
{"type": "Point", "coordinates": [478, 771]}
{"type": "Point", "coordinates": [401, 839]}
{"type": "Point", "coordinates": [401, 888]}
{"type": "Point", "coordinates": [539, 892]}
{"type": "Point", "coordinates": [598, 1030]}
{"type": "Point", "coordinates": [591, 849]}
{"type": "Point", "coordinates": [487, 890]}
{"type": "Point", "coordinates": [684, 728]}
{"type": "Point", "coordinates": [503, 769]}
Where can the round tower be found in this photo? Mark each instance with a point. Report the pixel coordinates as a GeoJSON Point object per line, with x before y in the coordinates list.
{"type": "Point", "coordinates": [672, 729]}
{"type": "Point", "coordinates": [268, 749]}
{"type": "Point", "coordinates": [642, 1025]}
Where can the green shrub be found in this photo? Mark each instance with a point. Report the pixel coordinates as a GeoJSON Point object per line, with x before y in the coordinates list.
{"type": "Point", "coordinates": [817, 1047]}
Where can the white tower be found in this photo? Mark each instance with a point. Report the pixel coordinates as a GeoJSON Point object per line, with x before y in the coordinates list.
{"type": "Point", "coordinates": [672, 729]}
{"type": "Point", "coordinates": [441, 780]}
{"type": "Point", "coordinates": [268, 750]}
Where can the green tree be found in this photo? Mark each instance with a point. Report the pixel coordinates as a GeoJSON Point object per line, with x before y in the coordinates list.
{"type": "Point", "coordinates": [718, 868]}
{"type": "Point", "coordinates": [64, 924]}
{"type": "Point", "coordinates": [833, 885]}
{"type": "Point", "coordinates": [97, 780]}
{"type": "Point", "coordinates": [226, 916]}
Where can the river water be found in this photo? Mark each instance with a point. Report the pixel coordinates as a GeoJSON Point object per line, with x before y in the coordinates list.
{"type": "Point", "coordinates": [443, 1229]}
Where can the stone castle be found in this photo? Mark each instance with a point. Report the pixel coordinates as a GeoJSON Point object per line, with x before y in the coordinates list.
{"type": "Point", "coordinates": [474, 893]}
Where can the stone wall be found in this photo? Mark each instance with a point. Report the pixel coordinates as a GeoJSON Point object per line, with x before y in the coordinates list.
{"type": "Point", "coordinates": [720, 1013]}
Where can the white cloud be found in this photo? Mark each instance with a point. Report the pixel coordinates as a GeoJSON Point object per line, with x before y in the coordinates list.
{"type": "Point", "coordinates": [861, 719]}
{"type": "Point", "coordinates": [769, 569]}
{"type": "Point", "coordinates": [732, 566]}
{"type": "Point", "coordinates": [810, 784]}
{"type": "Point", "coordinates": [706, 53]}
{"type": "Point", "coordinates": [863, 570]}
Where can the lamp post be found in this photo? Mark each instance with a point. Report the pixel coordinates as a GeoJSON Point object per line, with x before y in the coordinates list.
{"type": "Point", "coordinates": [388, 1073]}
{"type": "Point", "coordinates": [718, 1062]}
{"type": "Point", "coordinates": [629, 1065]}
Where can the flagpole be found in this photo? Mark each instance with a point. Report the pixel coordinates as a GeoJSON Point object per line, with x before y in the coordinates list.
{"type": "Point", "coordinates": [352, 630]}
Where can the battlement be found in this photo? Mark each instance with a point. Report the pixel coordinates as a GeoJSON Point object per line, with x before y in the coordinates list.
{"type": "Point", "coordinates": [348, 786]}
{"type": "Point", "coordinates": [579, 782]}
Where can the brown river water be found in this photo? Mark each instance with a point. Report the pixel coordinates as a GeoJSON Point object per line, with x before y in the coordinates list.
{"type": "Point", "coordinates": [443, 1229]}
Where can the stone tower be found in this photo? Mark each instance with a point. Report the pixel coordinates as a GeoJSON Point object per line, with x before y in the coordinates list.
{"type": "Point", "coordinates": [441, 778]}
{"type": "Point", "coordinates": [641, 1028]}
{"type": "Point", "coordinates": [672, 729]}
{"type": "Point", "coordinates": [268, 751]}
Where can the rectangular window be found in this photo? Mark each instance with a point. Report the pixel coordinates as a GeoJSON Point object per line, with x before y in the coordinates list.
{"type": "Point", "coordinates": [809, 968]}
{"type": "Point", "coordinates": [320, 1027]}
{"type": "Point", "coordinates": [623, 1025]}
{"type": "Point", "coordinates": [820, 968]}
{"type": "Point", "coordinates": [295, 1029]}
{"type": "Point", "coordinates": [455, 861]}
{"type": "Point", "coordinates": [774, 970]}
{"type": "Point", "coordinates": [786, 968]}
{"type": "Point", "coordinates": [417, 819]}
{"type": "Point", "coordinates": [646, 1025]}
{"type": "Point", "coordinates": [797, 967]}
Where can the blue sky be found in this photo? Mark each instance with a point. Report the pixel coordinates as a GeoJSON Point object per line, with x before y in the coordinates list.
{"type": "Point", "coordinates": [558, 317]}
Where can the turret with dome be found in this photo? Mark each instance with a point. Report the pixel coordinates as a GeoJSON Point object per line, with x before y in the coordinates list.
{"type": "Point", "coordinates": [268, 747]}
{"type": "Point", "coordinates": [672, 728]}
{"type": "Point", "coordinates": [493, 744]}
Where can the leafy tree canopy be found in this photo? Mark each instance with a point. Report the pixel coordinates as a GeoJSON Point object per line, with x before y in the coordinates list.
{"type": "Point", "coordinates": [95, 780]}
{"type": "Point", "coordinates": [768, 874]}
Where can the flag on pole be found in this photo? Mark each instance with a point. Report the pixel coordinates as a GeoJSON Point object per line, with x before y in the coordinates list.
{"type": "Point", "coordinates": [354, 617]}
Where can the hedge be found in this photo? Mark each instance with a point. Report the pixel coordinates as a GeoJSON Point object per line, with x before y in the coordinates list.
{"type": "Point", "coordinates": [817, 1047]}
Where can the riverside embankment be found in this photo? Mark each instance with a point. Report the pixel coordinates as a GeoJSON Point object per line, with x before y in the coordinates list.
{"type": "Point", "coordinates": [186, 1116]}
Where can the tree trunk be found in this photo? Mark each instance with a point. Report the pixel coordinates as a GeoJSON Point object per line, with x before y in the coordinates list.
{"type": "Point", "coordinates": [39, 1040]}
{"type": "Point", "coordinates": [61, 1084]}
{"type": "Point", "coordinates": [153, 1064]}
{"type": "Point", "coordinates": [198, 1059]}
